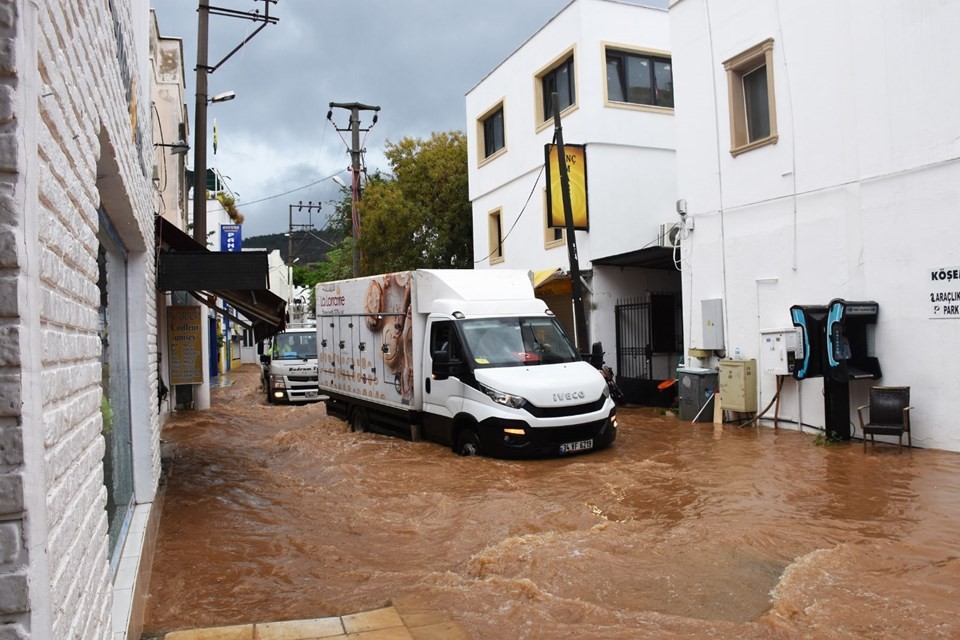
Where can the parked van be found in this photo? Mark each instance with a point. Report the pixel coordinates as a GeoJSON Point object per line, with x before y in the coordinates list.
{"type": "Point", "coordinates": [469, 359]}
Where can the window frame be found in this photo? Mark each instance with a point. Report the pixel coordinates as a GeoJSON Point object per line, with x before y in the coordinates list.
{"type": "Point", "coordinates": [482, 157]}
{"type": "Point", "coordinates": [568, 55]}
{"type": "Point", "coordinates": [495, 236]}
{"type": "Point", "coordinates": [653, 55]}
{"type": "Point", "coordinates": [737, 67]}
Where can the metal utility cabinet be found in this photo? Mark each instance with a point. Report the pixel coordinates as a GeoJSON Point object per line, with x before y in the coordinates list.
{"type": "Point", "coordinates": [697, 387]}
{"type": "Point", "coordinates": [738, 385]}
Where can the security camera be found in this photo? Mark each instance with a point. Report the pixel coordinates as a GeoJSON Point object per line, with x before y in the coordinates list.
{"type": "Point", "coordinates": [682, 208]}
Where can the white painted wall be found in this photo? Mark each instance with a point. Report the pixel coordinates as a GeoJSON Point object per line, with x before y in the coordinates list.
{"type": "Point", "coordinates": [630, 153]}
{"type": "Point", "coordinates": [857, 198]}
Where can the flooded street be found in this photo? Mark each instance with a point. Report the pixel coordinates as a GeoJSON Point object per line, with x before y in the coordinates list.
{"type": "Point", "coordinates": [677, 531]}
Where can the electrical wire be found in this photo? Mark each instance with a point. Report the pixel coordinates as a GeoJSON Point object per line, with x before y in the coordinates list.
{"type": "Point", "coordinates": [286, 193]}
{"type": "Point", "coordinates": [519, 215]}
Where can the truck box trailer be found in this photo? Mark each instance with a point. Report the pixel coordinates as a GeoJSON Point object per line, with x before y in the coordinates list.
{"type": "Point", "coordinates": [467, 358]}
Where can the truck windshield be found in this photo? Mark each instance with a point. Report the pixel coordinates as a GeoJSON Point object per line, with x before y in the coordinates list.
{"type": "Point", "coordinates": [295, 346]}
{"type": "Point", "coordinates": [514, 342]}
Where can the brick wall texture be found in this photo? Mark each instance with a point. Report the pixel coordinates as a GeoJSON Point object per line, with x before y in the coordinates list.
{"type": "Point", "coordinates": [74, 92]}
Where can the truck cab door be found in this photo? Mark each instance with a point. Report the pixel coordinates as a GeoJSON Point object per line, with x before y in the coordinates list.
{"type": "Point", "coordinates": [442, 388]}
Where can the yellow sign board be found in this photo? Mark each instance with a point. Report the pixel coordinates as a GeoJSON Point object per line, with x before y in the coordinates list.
{"type": "Point", "coordinates": [186, 346]}
{"type": "Point", "coordinates": [576, 160]}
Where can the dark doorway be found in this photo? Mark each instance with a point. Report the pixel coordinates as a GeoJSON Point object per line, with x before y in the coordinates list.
{"type": "Point", "coordinates": [649, 343]}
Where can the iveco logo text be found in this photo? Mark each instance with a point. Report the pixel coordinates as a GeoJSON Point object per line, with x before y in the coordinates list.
{"type": "Point", "coordinates": [569, 395]}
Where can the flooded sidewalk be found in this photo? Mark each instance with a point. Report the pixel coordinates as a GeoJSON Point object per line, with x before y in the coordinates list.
{"type": "Point", "coordinates": [278, 513]}
{"type": "Point", "coordinates": [382, 624]}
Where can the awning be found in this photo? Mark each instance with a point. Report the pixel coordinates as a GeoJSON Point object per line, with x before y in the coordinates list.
{"type": "Point", "coordinates": [239, 278]}
{"type": "Point", "coordinates": [649, 258]}
{"type": "Point", "coordinates": [553, 281]}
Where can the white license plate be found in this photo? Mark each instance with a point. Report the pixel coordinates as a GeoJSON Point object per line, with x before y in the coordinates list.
{"type": "Point", "coordinates": [311, 394]}
{"type": "Point", "coordinates": [570, 447]}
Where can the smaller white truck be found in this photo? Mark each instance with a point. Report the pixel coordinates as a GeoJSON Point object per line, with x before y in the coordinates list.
{"type": "Point", "coordinates": [467, 358]}
{"type": "Point", "coordinates": [289, 366]}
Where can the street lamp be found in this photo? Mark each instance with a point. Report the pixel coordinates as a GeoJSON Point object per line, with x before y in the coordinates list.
{"type": "Point", "coordinates": [200, 159]}
{"type": "Point", "coordinates": [340, 181]}
{"type": "Point", "coordinates": [176, 149]}
{"type": "Point", "coordinates": [226, 96]}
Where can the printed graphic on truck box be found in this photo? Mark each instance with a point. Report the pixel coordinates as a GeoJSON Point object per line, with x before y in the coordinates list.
{"type": "Point", "coordinates": [370, 355]}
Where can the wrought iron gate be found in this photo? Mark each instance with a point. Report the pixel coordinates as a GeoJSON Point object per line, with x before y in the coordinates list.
{"type": "Point", "coordinates": [648, 326]}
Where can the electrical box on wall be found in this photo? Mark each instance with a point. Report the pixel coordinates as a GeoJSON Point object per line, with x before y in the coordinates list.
{"type": "Point", "coordinates": [738, 385]}
{"type": "Point", "coordinates": [711, 312]}
{"type": "Point", "coordinates": [780, 350]}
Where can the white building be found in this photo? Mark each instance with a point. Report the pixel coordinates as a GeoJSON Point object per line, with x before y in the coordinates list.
{"type": "Point", "coordinates": [610, 63]}
{"type": "Point", "coordinates": [818, 147]}
{"type": "Point", "coordinates": [79, 426]}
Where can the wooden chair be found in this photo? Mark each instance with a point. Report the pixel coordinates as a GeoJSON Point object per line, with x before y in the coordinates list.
{"type": "Point", "coordinates": [889, 415]}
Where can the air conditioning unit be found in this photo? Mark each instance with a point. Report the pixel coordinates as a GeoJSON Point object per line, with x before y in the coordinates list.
{"type": "Point", "coordinates": [670, 234]}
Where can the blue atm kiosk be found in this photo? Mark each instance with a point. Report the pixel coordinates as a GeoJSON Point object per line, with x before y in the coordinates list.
{"type": "Point", "coordinates": [835, 348]}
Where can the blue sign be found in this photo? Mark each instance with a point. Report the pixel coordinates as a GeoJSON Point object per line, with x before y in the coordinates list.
{"type": "Point", "coordinates": [230, 237]}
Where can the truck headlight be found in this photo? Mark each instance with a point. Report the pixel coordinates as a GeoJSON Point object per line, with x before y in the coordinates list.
{"type": "Point", "coordinates": [506, 399]}
{"type": "Point", "coordinates": [276, 382]}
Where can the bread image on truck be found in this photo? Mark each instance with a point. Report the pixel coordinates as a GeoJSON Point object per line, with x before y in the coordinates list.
{"type": "Point", "coordinates": [470, 359]}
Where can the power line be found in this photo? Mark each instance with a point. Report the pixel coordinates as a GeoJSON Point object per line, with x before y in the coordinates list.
{"type": "Point", "coordinates": [286, 193]}
{"type": "Point", "coordinates": [519, 215]}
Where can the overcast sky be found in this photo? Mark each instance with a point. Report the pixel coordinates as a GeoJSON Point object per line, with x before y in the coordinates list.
{"type": "Point", "coordinates": [416, 59]}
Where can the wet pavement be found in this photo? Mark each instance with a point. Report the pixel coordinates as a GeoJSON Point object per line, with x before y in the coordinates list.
{"type": "Point", "coordinates": [278, 513]}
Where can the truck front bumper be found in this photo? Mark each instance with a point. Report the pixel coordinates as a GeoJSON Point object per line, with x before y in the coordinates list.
{"type": "Point", "coordinates": [502, 438]}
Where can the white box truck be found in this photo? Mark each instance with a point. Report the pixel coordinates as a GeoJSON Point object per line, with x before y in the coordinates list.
{"type": "Point", "coordinates": [469, 359]}
{"type": "Point", "coordinates": [289, 366]}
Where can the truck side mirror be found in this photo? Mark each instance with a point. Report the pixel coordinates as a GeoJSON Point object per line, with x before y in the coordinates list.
{"type": "Point", "coordinates": [264, 358]}
{"type": "Point", "coordinates": [441, 365]}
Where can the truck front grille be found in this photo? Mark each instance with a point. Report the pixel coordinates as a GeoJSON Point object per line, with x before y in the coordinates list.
{"type": "Point", "coordinates": [562, 412]}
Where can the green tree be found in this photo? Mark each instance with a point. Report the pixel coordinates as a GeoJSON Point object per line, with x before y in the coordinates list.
{"type": "Point", "coordinates": [420, 217]}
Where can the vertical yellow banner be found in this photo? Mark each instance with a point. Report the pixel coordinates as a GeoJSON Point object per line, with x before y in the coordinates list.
{"type": "Point", "coordinates": [186, 346]}
{"type": "Point", "coordinates": [576, 159]}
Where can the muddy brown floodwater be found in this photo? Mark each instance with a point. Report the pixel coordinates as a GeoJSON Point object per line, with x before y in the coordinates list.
{"type": "Point", "coordinates": [677, 531]}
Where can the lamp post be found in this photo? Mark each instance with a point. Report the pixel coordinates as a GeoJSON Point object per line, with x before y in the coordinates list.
{"type": "Point", "coordinates": [200, 113]}
{"type": "Point", "coordinates": [200, 154]}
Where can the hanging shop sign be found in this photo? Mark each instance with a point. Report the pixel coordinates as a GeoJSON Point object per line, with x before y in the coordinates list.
{"type": "Point", "coordinates": [576, 159]}
{"type": "Point", "coordinates": [231, 238]}
{"type": "Point", "coordinates": [186, 349]}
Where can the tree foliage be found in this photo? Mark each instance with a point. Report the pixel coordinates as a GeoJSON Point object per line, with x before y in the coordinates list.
{"type": "Point", "coordinates": [420, 217]}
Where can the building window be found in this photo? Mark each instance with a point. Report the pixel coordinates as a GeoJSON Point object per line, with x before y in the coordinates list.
{"type": "Point", "coordinates": [639, 78]}
{"type": "Point", "coordinates": [495, 231]}
{"type": "Point", "coordinates": [753, 114]}
{"type": "Point", "coordinates": [552, 236]}
{"type": "Point", "coordinates": [491, 132]}
{"type": "Point", "coordinates": [559, 77]}
{"type": "Point", "coordinates": [115, 384]}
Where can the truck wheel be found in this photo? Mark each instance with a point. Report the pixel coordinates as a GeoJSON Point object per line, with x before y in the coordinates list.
{"type": "Point", "coordinates": [468, 444]}
{"type": "Point", "coordinates": [358, 421]}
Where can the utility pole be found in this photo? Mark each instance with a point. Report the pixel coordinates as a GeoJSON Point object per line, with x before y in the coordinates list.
{"type": "Point", "coordinates": [303, 227]}
{"type": "Point", "coordinates": [355, 151]}
{"type": "Point", "coordinates": [205, 10]}
{"type": "Point", "coordinates": [580, 318]}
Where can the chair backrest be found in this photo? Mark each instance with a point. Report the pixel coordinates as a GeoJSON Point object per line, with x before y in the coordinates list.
{"type": "Point", "coordinates": [887, 404]}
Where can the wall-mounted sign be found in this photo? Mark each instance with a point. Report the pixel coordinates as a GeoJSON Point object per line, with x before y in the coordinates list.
{"type": "Point", "coordinates": [186, 350]}
{"type": "Point", "coordinates": [576, 158]}
{"type": "Point", "coordinates": [944, 292]}
{"type": "Point", "coordinates": [231, 238]}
